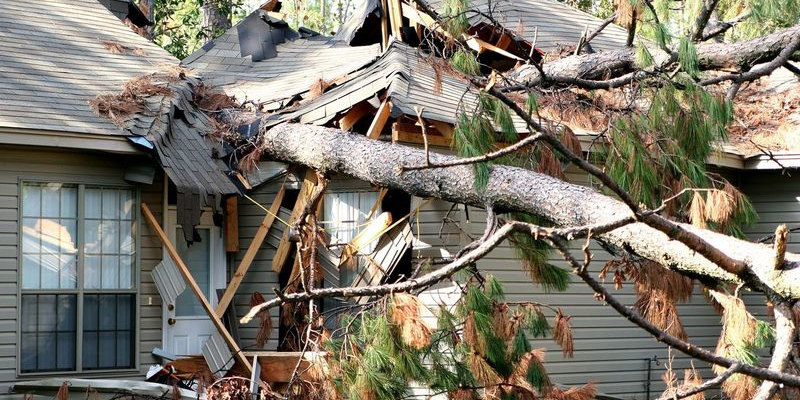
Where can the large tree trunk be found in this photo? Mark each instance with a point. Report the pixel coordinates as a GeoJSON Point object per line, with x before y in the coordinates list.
{"type": "Point", "coordinates": [610, 64]}
{"type": "Point", "coordinates": [519, 189]}
{"type": "Point", "coordinates": [214, 20]}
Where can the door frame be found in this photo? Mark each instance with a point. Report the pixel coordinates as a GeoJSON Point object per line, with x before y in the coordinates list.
{"type": "Point", "coordinates": [218, 264]}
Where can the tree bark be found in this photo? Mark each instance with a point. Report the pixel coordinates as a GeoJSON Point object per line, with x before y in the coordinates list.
{"type": "Point", "coordinates": [610, 64]}
{"type": "Point", "coordinates": [214, 21]}
{"type": "Point", "coordinates": [517, 189]}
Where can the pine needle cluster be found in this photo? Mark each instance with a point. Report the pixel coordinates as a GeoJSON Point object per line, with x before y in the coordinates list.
{"type": "Point", "coordinates": [742, 337]}
{"type": "Point", "coordinates": [480, 349]}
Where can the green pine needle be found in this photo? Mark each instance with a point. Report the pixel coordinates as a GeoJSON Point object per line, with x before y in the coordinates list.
{"type": "Point", "coordinates": [494, 289]}
{"type": "Point", "coordinates": [687, 56]}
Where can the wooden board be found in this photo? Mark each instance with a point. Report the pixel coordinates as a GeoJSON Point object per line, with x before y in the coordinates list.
{"type": "Point", "coordinates": [384, 111]}
{"type": "Point", "coordinates": [232, 224]}
{"type": "Point", "coordinates": [355, 114]}
{"type": "Point", "coordinates": [410, 133]}
{"type": "Point", "coordinates": [250, 255]}
{"type": "Point", "coordinates": [282, 253]}
{"type": "Point", "coordinates": [192, 284]}
{"type": "Point", "coordinates": [278, 366]}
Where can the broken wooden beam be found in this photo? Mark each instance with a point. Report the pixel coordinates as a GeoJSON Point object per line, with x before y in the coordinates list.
{"type": "Point", "coordinates": [232, 224]}
{"type": "Point", "coordinates": [187, 276]}
{"type": "Point", "coordinates": [282, 252]}
{"type": "Point", "coordinates": [355, 114]}
{"type": "Point", "coordinates": [407, 132]}
{"type": "Point", "coordinates": [376, 127]}
{"type": "Point", "coordinates": [251, 252]}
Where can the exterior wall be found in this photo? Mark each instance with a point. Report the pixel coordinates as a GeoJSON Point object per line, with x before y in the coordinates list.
{"type": "Point", "coordinates": [260, 276]}
{"type": "Point", "coordinates": [609, 350]}
{"type": "Point", "coordinates": [20, 163]}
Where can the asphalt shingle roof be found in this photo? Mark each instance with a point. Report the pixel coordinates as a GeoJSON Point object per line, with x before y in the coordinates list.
{"type": "Point", "coordinates": [409, 79]}
{"type": "Point", "coordinates": [53, 60]}
{"type": "Point", "coordinates": [299, 64]}
{"type": "Point", "coordinates": [553, 23]}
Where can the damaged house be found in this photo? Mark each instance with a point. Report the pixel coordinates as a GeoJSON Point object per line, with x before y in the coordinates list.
{"type": "Point", "coordinates": [138, 238]}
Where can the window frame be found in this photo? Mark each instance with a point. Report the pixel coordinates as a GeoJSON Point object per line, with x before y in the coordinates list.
{"type": "Point", "coordinates": [79, 290]}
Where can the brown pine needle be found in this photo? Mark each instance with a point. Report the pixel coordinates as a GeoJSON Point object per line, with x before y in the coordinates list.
{"type": "Point", "coordinates": [481, 370]}
{"type": "Point", "coordinates": [585, 392]}
{"type": "Point", "coordinates": [697, 211]}
{"type": "Point", "coordinates": [265, 327]}
{"type": "Point", "coordinates": [549, 164]}
{"type": "Point", "coordinates": [562, 333]}
{"type": "Point", "coordinates": [720, 206]}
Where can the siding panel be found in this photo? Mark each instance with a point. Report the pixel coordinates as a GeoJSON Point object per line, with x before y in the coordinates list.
{"type": "Point", "coordinates": [25, 164]}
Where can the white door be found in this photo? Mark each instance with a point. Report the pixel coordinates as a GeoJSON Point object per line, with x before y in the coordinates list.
{"type": "Point", "coordinates": [186, 324]}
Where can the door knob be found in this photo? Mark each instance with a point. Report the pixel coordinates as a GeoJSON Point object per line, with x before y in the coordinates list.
{"type": "Point", "coordinates": [171, 321]}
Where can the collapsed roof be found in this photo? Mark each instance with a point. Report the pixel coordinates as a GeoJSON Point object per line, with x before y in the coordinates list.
{"type": "Point", "coordinates": [547, 23]}
{"type": "Point", "coordinates": [262, 60]}
{"type": "Point", "coordinates": [407, 77]}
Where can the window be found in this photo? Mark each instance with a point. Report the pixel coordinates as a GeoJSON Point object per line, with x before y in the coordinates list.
{"type": "Point", "coordinates": [344, 215]}
{"type": "Point", "coordinates": [78, 278]}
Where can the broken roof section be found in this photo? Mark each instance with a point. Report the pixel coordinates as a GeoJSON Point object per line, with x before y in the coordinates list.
{"type": "Point", "coordinates": [547, 23]}
{"type": "Point", "coordinates": [164, 109]}
{"type": "Point", "coordinates": [262, 60]}
{"type": "Point", "coordinates": [409, 79]}
{"type": "Point", "coordinates": [54, 62]}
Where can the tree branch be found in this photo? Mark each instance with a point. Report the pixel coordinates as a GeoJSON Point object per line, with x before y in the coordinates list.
{"type": "Point", "coordinates": [664, 337]}
{"type": "Point", "coordinates": [761, 70]}
{"type": "Point", "coordinates": [784, 340]}
{"type": "Point", "coordinates": [518, 189]}
{"type": "Point", "coordinates": [702, 19]}
{"type": "Point", "coordinates": [674, 395]}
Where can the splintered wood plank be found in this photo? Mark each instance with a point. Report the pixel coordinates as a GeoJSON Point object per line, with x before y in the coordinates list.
{"type": "Point", "coordinates": [384, 25]}
{"type": "Point", "coordinates": [396, 19]}
{"type": "Point", "coordinates": [374, 229]}
{"type": "Point", "coordinates": [443, 127]}
{"type": "Point", "coordinates": [410, 133]}
{"type": "Point", "coordinates": [251, 252]}
{"type": "Point", "coordinates": [480, 46]}
{"type": "Point", "coordinates": [278, 366]}
{"type": "Point", "coordinates": [187, 276]}
{"type": "Point", "coordinates": [384, 111]}
{"type": "Point", "coordinates": [232, 224]}
{"type": "Point", "coordinates": [355, 114]}
{"type": "Point", "coordinates": [285, 246]}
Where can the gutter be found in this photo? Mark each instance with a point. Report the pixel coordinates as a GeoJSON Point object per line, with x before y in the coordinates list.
{"type": "Point", "coordinates": [79, 141]}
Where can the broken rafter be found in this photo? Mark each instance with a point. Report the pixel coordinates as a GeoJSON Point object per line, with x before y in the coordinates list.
{"type": "Point", "coordinates": [251, 252]}
{"type": "Point", "coordinates": [282, 253]}
{"type": "Point", "coordinates": [354, 115]}
{"type": "Point", "coordinates": [384, 111]}
{"type": "Point", "coordinates": [407, 132]}
{"type": "Point", "coordinates": [187, 276]}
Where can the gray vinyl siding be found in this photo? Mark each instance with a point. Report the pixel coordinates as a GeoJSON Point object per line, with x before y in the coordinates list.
{"type": "Point", "coordinates": [260, 277]}
{"type": "Point", "coordinates": [18, 164]}
{"type": "Point", "coordinates": [609, 350]}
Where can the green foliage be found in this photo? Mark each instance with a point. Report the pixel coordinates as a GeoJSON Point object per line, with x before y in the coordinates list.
{"type": "Point", "coordinates": [765, 335]}
{"type": "Point", "coordinates": [372, 361]}
{"type": "Point", "coordinates": [653, 155]}
{"type": "Point", "coordinates": [454, 15]}
{"type": "Point", "coordinates": [643, 56]}
{"type": "Point", "coordinates": [687, 57]}
{"type": "Point", "coordinates": [178, 23]}
{"type": "Point", "coordinates": [494, 290]}
{"type": "Point", "coordinates": [477, 133]}
{"type": "Point", "coordinates": [465, 62]}
{"type": "Point", "coordinates": [535, 254]}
